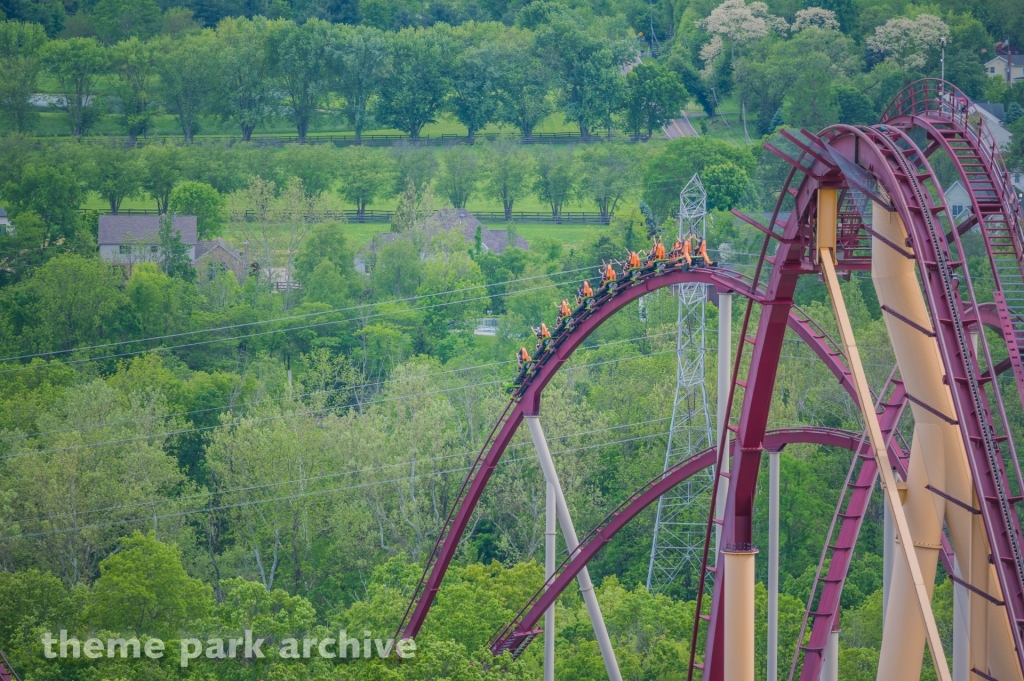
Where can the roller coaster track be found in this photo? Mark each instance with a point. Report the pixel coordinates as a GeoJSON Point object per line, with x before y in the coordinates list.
{"type": "Point", "coordinates": [7, 672]}
{"type": "Point", "coordinates": [883, 163]}
{"type": "Point", "coordinates": [944, 114]}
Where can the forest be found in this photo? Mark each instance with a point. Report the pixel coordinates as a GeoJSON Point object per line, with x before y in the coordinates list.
{"type": "Point", "coordinates": [190, 451]}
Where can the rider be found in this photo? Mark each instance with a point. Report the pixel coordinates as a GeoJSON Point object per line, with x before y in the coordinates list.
{"type": "Point", "coordinates": [563, 311]}
{"type": "Point", "coordinates": [607, 273]}
{"type": "Point", "coordinates": [583, 292]}
{"type": "Point", "coordinates": [523, 357]}
{"type": "Point", "coordinates": [658, 253]}
{"type": "Point", "coordinates": [677, 250]}
{"type": "Point", "coordinates": [702, 251]}
{"type": "Point", "coordinates": [632, 262]}
{"type": "Point", "coordinates": [688, 250]}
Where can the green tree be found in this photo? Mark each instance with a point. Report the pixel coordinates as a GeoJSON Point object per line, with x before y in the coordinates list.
{"type": "Point", "coordinates": [667, 173]}
{"type": "Point", "coordinates": [302, 57]}
{"type": "Point", "coordinates": [366, 174]}
{"type": "Point", "coordinates": [246, 93]}
{"type": "Point", "coordinates": [654, 96]}
{"type": "Point", "coordinates": [855, 107]}
{"type": "Point", "coordinates": [117, 20]}
{"type": "Point", "coordinates": [587, 68]}
{"type": "Point", "coordinates": [76, 64]}
{"type": "Point", "coordinates": [317, 165]}
{"type": "Point", "coordinates": [458, 177]}
{"type": "Point", "coordinates": [607, 173]}
{"type": "Point", "coordinates": [965, 70]}
{"type": "Point", "coordinates": [414, 85]}
{"type": "Point", "coordinates": [187, 77]}
{"type": "Point", "coordinates": [203, 201]}
{"type": "Point", "coordinates": [473, 77]}
{"type": "Point", "coordinates": [131, 62]}
{"type": "Point", "coordinates": [163, 166]}
{"type": "Point", "coordinates": [325, 242]}
{"type": "Point", "coordinates": [143, 589]}
{"type": "Point", "coordinates": [20, 44]}
{"type": "Point", "coordinates": [114, 174]}
{"type": "Point", "coordinates": [725, 183]}
{"type": "Point", "coordinates": [173, 254]}
{"type": "Point", "coordinates": [361, 58]}
{"type": "Point", "coordinates": [162, 304]}
{"type": "Point", "coordinates": [522, 81]}
{"type": "Point", "coordinates": [507, 172]}
{"type": "Point", "coordinates": [52, 191]}
{"type": "Point", "coordinates": [555, 180]}
{"type": "Point", "coordinates": [811, 102]}
{"type": "Point", "coordinates": [398, 270]}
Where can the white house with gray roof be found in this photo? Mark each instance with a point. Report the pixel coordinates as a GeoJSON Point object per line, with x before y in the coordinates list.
{"type": "Point", "coordinates": [130, 239]}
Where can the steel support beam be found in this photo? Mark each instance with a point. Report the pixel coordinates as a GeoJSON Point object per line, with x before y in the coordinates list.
{"type": "Point", "coordinates": [571, 542]}
{"type": "Point", "coordinates": [724, 381]}
{"type": "Point", "coordinates": [550, 513]}
{"type": "Point", "coordinates": [773, 565]}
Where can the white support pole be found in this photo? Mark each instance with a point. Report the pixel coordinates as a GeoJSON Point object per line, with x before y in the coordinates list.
{"type": "Point", "coordinates": [724, 370]}
{"type": "Point", "coordinates": [604, 642]}
{"type": "Point", "coordinates": [773, 565]}
{"type": "Point", "coordinates": [549, 569]}
{"type": "Point", "coordinates": [961, 630]}
{"type": "Point", "coordinates": [889, 550]}
{"type": "Point", "coordinates": [830, 665]}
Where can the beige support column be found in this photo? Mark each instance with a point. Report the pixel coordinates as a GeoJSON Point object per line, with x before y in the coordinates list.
{"type": "Point", "coordinates": [918, 585]}
{"type": "Point", "coordinates": [739, 615]}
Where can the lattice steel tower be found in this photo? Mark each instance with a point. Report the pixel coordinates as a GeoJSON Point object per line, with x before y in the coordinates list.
{"type": "Point", "coordinates": [682, 513]}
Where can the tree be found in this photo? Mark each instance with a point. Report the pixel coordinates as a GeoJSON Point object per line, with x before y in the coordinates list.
{"type": "Point", "coordinates": [361, 59]}
{"type": "Point", "coordinates": [607, 172]}
{"type": "Point", "coordinates": [325, 242]}
{"type": "Point", "coordinates": [143, 589]}
{"type": "Point", "coordinates": [815, 17]}
{"type": "Point", "coordinates": [163, 166]}
{"type": "Point", "coordinates": [507, 171]}
{"type": "Point", "coordinates": [20, 44]}
{"type": "Point", "coordinates": [75, 64]}
{"type": "Point", "coordinates": [414, 85]}
{"type": "Point", "coordinates": [114, 174]}
{"type": "Point", "coordinates": [302, 56]}
{"type": "Point", "coordinates": [812, 103]}
{"type": "Point", "coordinates": [668, 172]}
{"type": "Point", "coordinates": [414, 164]}
{"type": "Point", "coordinates": [187, 69]}
{"type": "Point", "coordinates": [52, 191]}
{"type": "Point", "coordinates": [855, 108]}
{"type": "Point", "coordinates": [174, 259]}
{"type": "Point", "coordinates": [726, 183]}
{"type": "Point", "coordinates": [906, 42]}
{"type": "Point", "coordinates": [654, 96]}
{"type": "Point", "coordinates": [203, 201]}
{"type": "Point", "coordinates": [741, 23]}
{"type": "Point", "coordinates": [246, 93]}
{"type": "Point", "coordinates": [587, 68]}
{"type": "Point", "coordinates": [366, 174]}
{"type": "Point", "coordinates": [317, 165]}
{"type": "Point", "coordinates": [522, 82]}
{"type": "Point", "coordinates": [131, 61]}
{"type": "Point", "coordinates": [117, 20]}
{"type": "Point", "coordinates": [1014, 113]}
{"type": "Point", "coordinates": [964, 70]}
{"type": "Point", "coordinates": [473, 78]}
{"type": "Point", "coordinates": [457, 180]}
{"type": "Point", "coordinates": [555, 180]}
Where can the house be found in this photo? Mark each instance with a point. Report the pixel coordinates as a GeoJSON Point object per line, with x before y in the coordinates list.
{"type": "Point", "coordinates": [1007, 64]}
{"type": "Point", "coordinates": [220, 255]}
{"type": "Point", "coordinates": [958, 200]}
{"type": "Point", "coordinates": [130, 239]}
{"type": "Point", "coordinates": [446, 220]}
{"type": "Point", "coordinates": [5, 223]}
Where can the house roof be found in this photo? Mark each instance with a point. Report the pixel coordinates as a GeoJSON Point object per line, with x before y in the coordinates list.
{"type": "Point", "coordinates": [996, 109]}
{"type": "Point", "coordinates": [3, 213]}
{"type": "Point", "coordinates": [1015, 59]}
{"type": "Point", "coordinates": [114, 229]}
{"type": "Point", "coordinates": [447, 219]}
{"type": "Point", "coordinates": [204, 247]}
{"type": "Point", "coordinates": [496, 241]}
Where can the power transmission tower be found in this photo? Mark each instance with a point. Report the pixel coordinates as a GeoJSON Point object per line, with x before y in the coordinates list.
{"type": "Point", "coordinates": [682, 513]}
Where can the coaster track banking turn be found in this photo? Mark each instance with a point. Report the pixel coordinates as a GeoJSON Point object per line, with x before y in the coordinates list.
{"type": "Point", "coordinates": [883, 163]}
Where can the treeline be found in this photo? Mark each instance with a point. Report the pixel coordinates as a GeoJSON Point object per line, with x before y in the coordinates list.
{"type": "Point", "coordinates": [248, 71]}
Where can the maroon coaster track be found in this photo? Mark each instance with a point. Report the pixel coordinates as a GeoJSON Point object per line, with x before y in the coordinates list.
{"type": "Point", "coordinates": [883, 163]}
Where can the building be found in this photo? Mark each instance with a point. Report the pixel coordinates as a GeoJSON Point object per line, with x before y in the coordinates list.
{"type": "Point", "coordinates": [446, 220]}
{"type": "Point", "coordinates": [1007, 64]}
{"type": "Point", "coordinates": [5, 223]}
{"type": "Point", "coordinates": [958, 200]}
{"type": "Point", "coordinates": [220, 255]}
{"type": "Point", "coordinates": [130, 239]}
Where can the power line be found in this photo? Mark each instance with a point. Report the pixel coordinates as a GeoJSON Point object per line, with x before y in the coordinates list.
{"type": "Point", "coordinates": [316, 392]}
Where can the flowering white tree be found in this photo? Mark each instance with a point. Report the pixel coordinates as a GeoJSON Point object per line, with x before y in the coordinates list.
{"type": "Point", "coordinates": [815, 17]}
{"type": "Point", "coordinates": [708, 54]}
{"type": "Point", "coordinates": [740, 23]}
{"type": "Point", "coordinates": [906, 42]}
